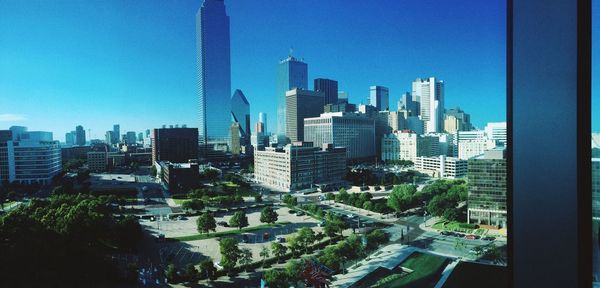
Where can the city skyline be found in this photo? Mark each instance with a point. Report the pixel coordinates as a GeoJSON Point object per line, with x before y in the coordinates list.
{"type": "Point", "coordinates": [134, 66]}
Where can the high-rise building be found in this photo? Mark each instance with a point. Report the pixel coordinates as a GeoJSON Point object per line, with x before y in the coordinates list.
{"type": "Point", "coordinates": [291, 73]}
{"type": "Point", "coordinates": [234, 131]}
{"type": "Point", "coordinates": [214, 71]}
{"type": "Point", "coordinates": [595, 186]}
{"type": "Point", "coordinates": [354, 131]}
{"type": "Point", "coordinates": [406, 103]}
{"type": "Point", "coordinates": [240, 112]}
{"type": "Point", "coordinates": [430, 95]}
{"type": "Point", "coordinates": [131, 138]}
{"type": "Point", "coordinates": [415, 124]}
{"type": "Point", "coordinates": [177, 145]}
{"type": "Point", "coordinates": [116, 134]}
{"type": "Point", "coordinates": [262, 118]}
{"type": "Point", "coordinates": [406, 145]}
{"type": "Point", "coordinates": [299, 166]}
{"type": "Point", "coordinates": [486, 200]}
{"type": "Point", "coordinates": [79, 136]}
{"type": "Point", "coordinates": [496, 131]}
{"type": "Point", "coordinates": [342, 97]}
{"type": "Point", "coordinates": [329, 89]}
{"type": "Point", "coordinates": [379, 97]}
{"type": "Point", "coordinates": [340, 107]}
{"type": "Point", "coordinates": [29, 157]}
{"type": "Point", "coordinates": [108, 137]}
{"type": "Point", "coordinates": [301, 104]}
{"type": "Point", "coordinates": [70, 138]}
{"type": "Point", "coordinates": [456, 120]}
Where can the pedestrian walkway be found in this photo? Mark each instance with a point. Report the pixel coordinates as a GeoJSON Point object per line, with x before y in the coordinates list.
{"type": "Point", "coordinates": [447, 271]}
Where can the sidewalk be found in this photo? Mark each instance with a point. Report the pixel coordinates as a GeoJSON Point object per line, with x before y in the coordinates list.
{"type": "Point", "coordinates": [362, 212]}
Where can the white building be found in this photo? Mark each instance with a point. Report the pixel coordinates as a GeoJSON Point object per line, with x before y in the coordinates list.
{"type": "Point", "coordinates": [354, 131]}
{"type": "Point", "coordinates": [299, 166]}
{"type": "Point", "coordinates": [405, 145]}
{"type": "Point", "coordinates": [430, 94]}
{"type": "Point", "coordinates": [470, 148]}
{"type": "Point", "coordinates": [29, 157]}
{"type": "Point", "coordinates": [442, 166]}
{"type": "Point", "coordinates": [496, 131]}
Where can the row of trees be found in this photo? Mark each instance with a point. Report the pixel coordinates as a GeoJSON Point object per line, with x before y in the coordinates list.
{"type": "Point", "coordinates": [361, 177]}
{"type": "Point", "coordinates": [359, 200]}
{"type": "Point", "coordinates": [206, 222]}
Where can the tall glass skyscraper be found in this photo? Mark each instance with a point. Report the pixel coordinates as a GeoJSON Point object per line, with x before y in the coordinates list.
{"type": "Point", "coordinates": [240, 112]}
{"type": "Point", "coordinates": [214, 71]}
{"type": "Point", "coordinates": [430, 95]}
{"type": "Point", "coordinates": [379, 98]}
{"type": "Point", "coordinates": [291, 73]}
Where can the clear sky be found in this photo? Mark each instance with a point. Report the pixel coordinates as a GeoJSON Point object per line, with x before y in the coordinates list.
{"type": "Point", "coordinates": [100, 62]}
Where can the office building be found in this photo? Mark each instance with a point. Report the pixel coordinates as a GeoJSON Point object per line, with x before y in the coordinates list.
{"type": "Point", "coordinates": [486, 178]}
{"type": "Point", "coordinates": [130, 138]}
{"type": "Point", "coordinates": [354, 131]}
{"type": "Point", "coordinates": [468, 149]}
{"type": "Point", "coordinates": [342, 97]}
{"type": "Point", "coordinates": [406, 145]}
{"type": "Point", "coordinates": [108, 137]}
{"type": "Point", "coordinates": [179, 177]}
{"type": "Point", "coordinates": [177, 145]}
{"type": "Point", "coordinates": [214, 72]}
{"type": "Point", "coordinates": [79, 136]}
{"type": "Point", "coordinates": [301, 104]}
{"type": "Point", "coordinates": [329, 88]}
{"type": "Point", "coordinates": [595, 187]}
{"type": "Point", "coordinates": [415, 124]}
{"type": "Point", "coordinates": [117, 134]}
{"type": "Point", "coordinates": [368, 110]}
{"type": "Point", "coordinates": [240, 112]}
{"type": "Point", "coordinates": [70, 138]}
{"type": "Point", "coordinates": [379, 97]}
{"type": "Point", "coordinates": [447, 144]}
{"type": "Point", "coordinates": [97, 158]}
{"type": "Point", "coordinates": [457, 120]}
{"type": "Point", "coordinates": [262, 118]}
{"type": "Point", "coordinates": [430, 95]}
{"type": "Point", "coordinates": [340, 107]}
{"type": "Point", "coordinates": [291, 73]}
{"type": "Point", "coordinates": [259, 141]}
{"type": "Point", "coordinates": [300, 166]}
{"type": "Point", "coordinates": [441, 166]}
{"type": "Point", "coordinates": [496, 131]}
{"type": "Point", "coordinates": [235, 146]}
{"type": "Point", "coordinates": [406, 103]}
{"type": "Point", "coordinates": [140, 137]}
{"type": "Point", "coordinates": [28, 157]}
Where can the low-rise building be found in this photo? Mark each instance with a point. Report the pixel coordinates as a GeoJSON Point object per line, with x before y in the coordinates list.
{"type": "Point", "coordinates": [406, 145]}
{"type": "Point", "coordinates": [486, 178]}
{"type": "Point", "coordinates": [179, 176]}
{"type": "Point", "coordinates": [441, 167]}
{"type": "Point", "coordinates": [97, 158]}
{"type": "Point", "coordinates": [299, 166]}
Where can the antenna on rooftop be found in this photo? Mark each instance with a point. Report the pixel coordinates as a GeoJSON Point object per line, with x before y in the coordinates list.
{"type": "Point", "coordinates": [291, 51]}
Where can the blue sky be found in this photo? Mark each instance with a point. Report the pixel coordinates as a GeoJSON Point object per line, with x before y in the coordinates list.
{"type": "Point", "coordinates": [97, 63]}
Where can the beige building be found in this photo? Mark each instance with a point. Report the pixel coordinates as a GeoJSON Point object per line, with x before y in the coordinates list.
{"type": "Point", "coordinates": [405, 145]}
{"type": "Point", "coordinates": [234, 137]}
{"type": "Point", "coordinates": [300, 104]}
{"type": "Point", "coordinates": [441, 167]}
{"type": "Point", "coordinates": [299, 166]}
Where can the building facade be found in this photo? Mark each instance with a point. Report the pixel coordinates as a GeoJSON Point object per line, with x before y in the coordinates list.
{"type": "Point", "coordinates": [214, 72]}
{"type": "Point", "coordinates": [177, 145]}
{"type": "Point", "coordinates": [353, 131]}
{"type": "Point", "coordinates": [406, 145]}
{"type": "Point", "coordinates": [240, 112]}
{"type": "Point", "coordinates": [329, 88]}
{"type": "Point", "coordinates": [301, 104]}
{"type": "Point", "coordinates": [430, 95]}
{"type": "Point", "coordinates": [97, 158]}
{"type": "Point", "coordinates": [299, 166]}
{"type": "Point", "coordinates": [441, 166]}
{"type": "Point", "coordinates": [179, 176]}
{"type": "Point", "coordinates": [291, 73]}
{"type": "Point", "coordinates": [79, 136]}
{"type": "Point", "coordinates": [379, 97]}
{"type": "Point", "coordinates": [496, 131]}
{"type": "Point", "coordinates": [235, 146]}
{"type": "Point", "coordinates": [486, 178]}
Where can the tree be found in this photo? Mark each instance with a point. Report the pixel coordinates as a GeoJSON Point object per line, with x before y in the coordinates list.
{"type": "Point", "coordinates": [268, 215]}
{"type": "Point", "coordinates": [245, 257]}
{"type": "Point", "coordinates": [278, 250]}
{"type": "Point", "coordinates": [207, 268]}
{"type": "Point", "coordinates": [368, 205]}
{"type": "Point", "coordinates": [305, 238]}
{"type": "Point", "coordinates": [205, 223]}
{"type": "Point", "coordinates": [334, 224]}
{"type": "Point", "coordinates": [258, 198]}
{"type": "Point", "coordinates": [401, 197]}
{"type": "Point", "coordinates": [290, 200]}
{"type": "Point", "coordinates": [264, 253]}
{"type": "Point", "coordinates": [230, 253]}
{"type": "Point", "coordinates": [276, 278]}
{"type": "Point", "coordinates": [171, 273]}
{"type": "Point", "coordinates": [366, 196]}
{"type": "Point", "coordinates": [342, 196]}
{"type": "Point", "coordinates": [294, 270]}
{"type": "Point", "coordinates": [190, 272]}
{"type": "Point", "coordinates": [329, 196]}
{"type": "Point", "coordinates": [194, 204]}
{"type": "Point", "coordinates": [239, 219]}
{"type": "Point", "coordinates": [294, 244]}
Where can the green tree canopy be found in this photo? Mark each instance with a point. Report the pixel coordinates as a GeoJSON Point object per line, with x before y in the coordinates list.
{"type": "Point", "coordinates": [205, 223]}
{"type": "Point", "coordinates": [230, 253]}
{"type": "Point", "coordinates": [268, 215]}
{"type": "Point", "coordinates": [239, 220]}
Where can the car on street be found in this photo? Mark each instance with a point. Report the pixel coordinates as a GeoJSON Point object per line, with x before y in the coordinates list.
{"type": "Point", "coordinates": [223, 223]}
{"type": "Point", "coordinates": [299, 213]}
{"type": "Point", "coordinates": [266, 236]}
{"type": "Point", "coordinates": [488, 238]}
{"type": "Point", "coordinates": [292, 211]}
{"type": "Point", "coordinates": [245, 238]}
{"type": "Point", "coordinates": [471, 237]}
{"type": "Point", "coordinates": [351, 216]}
{"type": "Point", "coordinates": [446, 233]}
{"type": "Point", "coordinates": [280, 239]}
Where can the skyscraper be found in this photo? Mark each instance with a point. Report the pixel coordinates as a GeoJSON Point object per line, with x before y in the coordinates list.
{"type": "Point", "coordinates": [379, 98]}
{"type": "Point", "coordinates": [79, 136]}
{"type": "Point", "coordinates": [342, 97]}
{"type": "Point", "coordinates": [430, 95]}
{"type": "Point", "coordinates": [329, 89]}
{"type": "Point", "coordinates": [70, 138]}
{"type": "Point", "coordinates": [177, 145]}
{"type": "Point", "coordinates": [235, 138]}
{"type": "Point", "coordinates": [406, 103]}
{"type": "Point", "coordinates": [240, 112]}
{"type": "Point", "coordinates": [116, 134]}
{"type": "Point", "coordinates": [262, 118]}
{"type": "Point", "coordinates": [301, 104]}
{"type": "Point", "coordinates": [291, 73]}
{"type": "Point", "coordinates": [214, 71]}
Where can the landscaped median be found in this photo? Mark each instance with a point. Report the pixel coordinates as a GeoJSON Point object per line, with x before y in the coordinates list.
{"type": "Point", "coordinates": [459, 227]}
{"type": "Point", "coordinates": [418, 270]}
{"type": "Point", "coordinates": [227, 233]}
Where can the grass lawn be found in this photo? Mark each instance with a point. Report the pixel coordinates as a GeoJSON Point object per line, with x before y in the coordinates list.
{"type": "Point", "coordinates": [426, 270]}
{"type": "Point", "coordinates": [228, 233]}
{"type": "Point", "coordinates": [467, 275]}
{"type": "Point", "coordinates": [180, 201]}
{"type": "Point", "coordinates": [459, 227]}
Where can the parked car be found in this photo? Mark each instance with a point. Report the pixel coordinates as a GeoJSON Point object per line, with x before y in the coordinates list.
{"type": "Point", "coordinates": [292, 211]}
{"type": "Point", "coordinates": [299, 213]}
{"type": "Point", "coordinates": [446, 233]}
{"type": "Point", "coordinates": [223, 223]}
{"type": "Point", "coordinates": [245, 238]}
{"type": "Point", "coordinates": [266, 236]}
{"type": "Point", "coordinates": [470, 237]}
{"type": "Point", "coordinates": [280, 239]}
{"type": "Point", "coordinates": [351, 216]}
{"type": "Point", "coordinates": [488, 238]}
